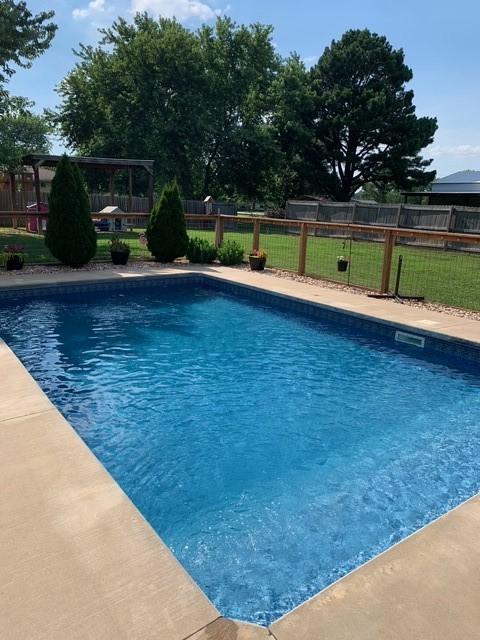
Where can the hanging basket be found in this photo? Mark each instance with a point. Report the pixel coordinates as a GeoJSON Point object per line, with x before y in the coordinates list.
{"type": "Point", "coordinates": [342, 265]}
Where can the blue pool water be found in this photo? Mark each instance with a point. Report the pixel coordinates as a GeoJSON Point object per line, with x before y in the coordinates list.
{"type": "Point", "coordinates": [272, 453]}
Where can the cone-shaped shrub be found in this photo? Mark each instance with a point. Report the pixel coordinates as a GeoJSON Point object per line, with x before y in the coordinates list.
{"type": "Point", "coordinates": [166, 230]}
{"type": "Point", "coordinates": [70, 234]}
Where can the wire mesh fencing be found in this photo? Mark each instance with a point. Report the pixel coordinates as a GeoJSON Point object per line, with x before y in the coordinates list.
{"type": "Point", "coordinates": [240, 231]}
{"type": "Point", "coordinates": [448, 273]}
{"type": "Point", "coordinates": [441, 267]}
{"type": "Point", "coordinates": [280, 242]}
{"type": "Point", "coordinates": [201, 227]}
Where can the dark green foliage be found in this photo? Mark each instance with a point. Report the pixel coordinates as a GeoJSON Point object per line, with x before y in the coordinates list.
{"type": "Point", "coordinates": [201, 251]}
{"type": "Point", "coordinates": [219, 109]}
{"type": "Point", "coordinates": [366, 127]}
{"type": "Point", "coordinates": [23, 36]}
{"type": "Point", "coordinates": [166, 231]}
{"type": "Point", "coordinates": [70, 235]}
{"type": "Point", "coordinates": [230, 253]}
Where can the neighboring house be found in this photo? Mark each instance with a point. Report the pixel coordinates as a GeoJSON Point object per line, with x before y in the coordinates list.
{"type": "Point", "coordinates": [461, 188]}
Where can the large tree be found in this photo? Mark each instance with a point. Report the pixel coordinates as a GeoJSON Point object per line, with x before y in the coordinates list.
{"type": "Point", "coordinates": [21, 132]}
{"type": "Point", "coordinates": [23, 35]}
{"type": "Point", "coordinates": [138, 94]}
{"type": "Point", "coordinates": [195, 102]}
{"type": "Point", "coordinates": [294, 131]}
{"type": "Point", "coordinates": [240, 64]}
{"type": "Point", "coordinates": [366, 124]}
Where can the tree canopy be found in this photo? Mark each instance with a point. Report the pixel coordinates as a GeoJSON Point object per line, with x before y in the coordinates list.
{"type": "Point", "coordinates": [365, 117]}
{"type": "Point", "coordinates": [21, 132]}
{"type": "Point", "coordinates": [23, 35]}
{"type": "Point", "coordinates": [222, 112]}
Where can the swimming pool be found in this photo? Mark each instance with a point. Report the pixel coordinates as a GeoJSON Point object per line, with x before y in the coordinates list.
{"type": "Point", "coordinates": [272, 451]}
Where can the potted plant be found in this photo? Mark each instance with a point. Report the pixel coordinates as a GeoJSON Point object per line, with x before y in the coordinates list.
{"type": "Point", "coordinates": [14, 256]}
{"type": "Point", "coordinates": [342, 263]}
{"type": "Point", "coordinates": [257, 259]}
{"type": "Point", "coordinates": [119, 251]}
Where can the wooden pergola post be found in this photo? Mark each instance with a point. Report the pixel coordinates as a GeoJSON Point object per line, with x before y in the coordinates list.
{"type": "Point", "coordinates": [150, 189]}
{"type": "Point", "coordinates": [13, 190]}
{"type": "Point", "coordinates": [38, 197]}
{"type": "Point", "coordinates": [112, 185]}
{"type": "Point", "coordinates": [130, 189]}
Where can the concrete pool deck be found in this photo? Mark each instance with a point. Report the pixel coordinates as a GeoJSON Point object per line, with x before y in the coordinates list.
{"type": "Point", "coordinates": [77, 560]}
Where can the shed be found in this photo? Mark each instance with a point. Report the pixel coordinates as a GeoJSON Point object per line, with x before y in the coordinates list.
{"type": "Point", "coordinates": [118, 223]}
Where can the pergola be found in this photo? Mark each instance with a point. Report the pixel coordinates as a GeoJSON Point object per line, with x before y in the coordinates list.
{"type": "Point", "coordinates": [110, 165]}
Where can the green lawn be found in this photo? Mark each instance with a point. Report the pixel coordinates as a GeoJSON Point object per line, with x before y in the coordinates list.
{"type": "Point", "coordinates": [450, 277]}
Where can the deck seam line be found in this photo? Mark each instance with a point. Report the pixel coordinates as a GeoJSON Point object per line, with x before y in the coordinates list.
{"type": "Point", "coordinates": [27, 415]}
{"type": "Point", "coordinates": [190, 635]}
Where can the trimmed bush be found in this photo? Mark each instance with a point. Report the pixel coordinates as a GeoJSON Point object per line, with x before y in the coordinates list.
{"type": "Point", "coordinates": [201, 251]}
{"type": "Point", "coordinates": [166, 230]}
{"type": "Point", "coordinates": [230, 253]}
{"type": "Point", "coordinates": [70, 235]}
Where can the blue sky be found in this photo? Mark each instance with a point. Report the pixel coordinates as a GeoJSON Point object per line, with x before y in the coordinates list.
{"type": "Point", "coordinates": [440, 41]}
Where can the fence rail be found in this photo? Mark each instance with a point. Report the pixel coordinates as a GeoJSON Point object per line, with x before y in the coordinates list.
{"type": "Point", "coordinates": [442, 266]}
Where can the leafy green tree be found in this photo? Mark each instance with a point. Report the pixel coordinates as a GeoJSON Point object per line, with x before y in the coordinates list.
{"type": "Point", "coordinates": [166, 230]}
{"type": "Point", "coordinates": [367, 130]}
{"type": "Point", "coordinates": [21, 132]}
{"type": "Point", "coordinates": [294, 131]}
{"type": "Point", "coordinates": [383, 193]}
{"type": "Point", "coordinates": [23, 36]}
{"type": "Point", "coordinates": [196, 103]}
{"type": "Point", "coordinates": [138, 94]}
{"type": "Point", "coordinates": [70, 234]}
{"type": "Point", "coordinates": [238, 149]}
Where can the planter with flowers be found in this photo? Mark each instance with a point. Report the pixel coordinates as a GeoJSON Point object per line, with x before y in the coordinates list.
{"type": "Point", "coordinates": [257, 259]}
{"type": "Point", "coordinates": [119, 251]}
{"type": "Point", "coordinates": [14, 256]}
{"type": "Point", "coordinates": [342, 263]}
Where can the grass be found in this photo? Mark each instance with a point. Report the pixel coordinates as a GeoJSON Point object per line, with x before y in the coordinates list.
{"type": "Point", "coordinates": [449, 277]}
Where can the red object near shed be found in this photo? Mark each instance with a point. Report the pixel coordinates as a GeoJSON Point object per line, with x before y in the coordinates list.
{"type": "Point", "coordinates": [37, 223]}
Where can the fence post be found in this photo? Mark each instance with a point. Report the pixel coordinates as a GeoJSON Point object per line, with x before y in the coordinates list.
{"type": "Point", "coordinates": [302, 249]}
{"type": "Point", "coordinates": [387, 260]}
{"type": "Point", "coordinates": [218, 231]}
{"type": "Point", "coordinates": [399, 214]}
{"type": "Point", "coordinates": [451, 218]}
{"type": "Point", "coordinates": [256, 235]}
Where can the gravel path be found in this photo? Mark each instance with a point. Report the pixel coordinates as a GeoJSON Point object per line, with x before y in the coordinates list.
{"type": "Point", "coordinates": [146, 265]}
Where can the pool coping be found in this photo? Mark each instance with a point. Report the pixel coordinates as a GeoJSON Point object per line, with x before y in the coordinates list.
{"type": "Point", "coordinates": [359, 605]}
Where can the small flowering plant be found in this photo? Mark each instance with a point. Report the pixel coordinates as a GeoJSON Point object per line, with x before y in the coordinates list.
{"type": "Point", "coordinates": [11, 250]}
{"type": "Point", "coordinates": [342, 258]}
{"type": "Point", "coordinates": [258, 253]}
{"type": "Point", "coordinates": [118, 245]}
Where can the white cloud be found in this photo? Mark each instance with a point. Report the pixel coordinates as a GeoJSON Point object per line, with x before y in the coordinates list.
{"type": "Point", "coordinates": [93, 8]}
{"type": "Point", "coordinates": [458, 150]}
{"type": "Point", "coordinates": [180, 9]}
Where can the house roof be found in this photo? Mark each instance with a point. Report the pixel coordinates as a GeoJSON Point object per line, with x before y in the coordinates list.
{"type": "Point", "coordinates": [460, 177]}
{"type": "Point", "coordinates": [459, 182]}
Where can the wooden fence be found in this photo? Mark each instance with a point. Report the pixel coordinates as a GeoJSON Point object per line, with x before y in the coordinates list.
{"type": "Point", "coordinates": [425, 217]}
{"type": "Point", "coordinates": [443, 266]}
